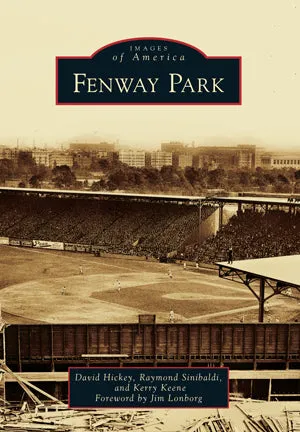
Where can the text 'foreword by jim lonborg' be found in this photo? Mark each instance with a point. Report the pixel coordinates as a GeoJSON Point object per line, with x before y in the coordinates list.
{"type": "Point", "coordinates": [148, 387]}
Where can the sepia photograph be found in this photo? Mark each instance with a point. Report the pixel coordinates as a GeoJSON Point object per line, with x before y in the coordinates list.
{"type": "Point", "coordinates": [161, 238]}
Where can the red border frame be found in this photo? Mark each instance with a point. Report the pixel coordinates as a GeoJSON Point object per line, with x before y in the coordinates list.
{"type": "Point", "coordinates": [148, 367]}
{"type": "Point", "coordinates": [148, 103]}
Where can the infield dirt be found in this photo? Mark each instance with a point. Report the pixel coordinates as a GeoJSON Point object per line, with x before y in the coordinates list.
{"type": "Point", "coordinates": [47, 287]}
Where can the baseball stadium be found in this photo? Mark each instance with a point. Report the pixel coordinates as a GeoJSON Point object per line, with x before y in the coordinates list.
{"type": "Point", "coordinates": [117, 279]}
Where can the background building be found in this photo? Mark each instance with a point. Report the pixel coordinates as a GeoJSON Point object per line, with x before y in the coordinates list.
{"type": "Point", "coordinates": [41, 156]}
{"type": "Point", "coordinates": [135, 158]}
{"type": "Point", "coordinates": [59, 159]}
{"type": "Point", "coordinates": [9, 153]}
{"type": "Point", "coordinates": [280, 160]}
{"type": "Point", "coordinates": [185, 160]}
{"type": "Point", "coordinates": [173, 146]}
{"type": "Point", "coordinates": [92, 147]}
{"type": "Point", "coordinates": [212, 157]}
{"type": "Point", "coordinates": [246, 156]}
{"type": "Point", "coordinates": [160, 159]}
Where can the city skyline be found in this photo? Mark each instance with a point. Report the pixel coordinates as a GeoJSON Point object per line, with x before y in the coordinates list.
{"type": "Point", "coordinates": [263, 35]}
{"type": "Point", "coordinates": [120, 145]}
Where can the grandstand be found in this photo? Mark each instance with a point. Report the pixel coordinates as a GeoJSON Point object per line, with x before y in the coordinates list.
{"type": "Point", "coordinates": [153, 225]}
{"type": "Point", "coordinates": [253, 234]}
{"type": "Point", "coordinates": [131, 226]}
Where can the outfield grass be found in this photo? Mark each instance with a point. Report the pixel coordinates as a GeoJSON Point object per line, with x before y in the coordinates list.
{"type": "Point", "coordinates": [31, 285]}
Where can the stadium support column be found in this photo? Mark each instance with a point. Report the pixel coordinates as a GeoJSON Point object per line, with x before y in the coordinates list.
{"type": "Point", "coordinates": [200, 221]}
{"type": "Point", "coordinates": [220, 216]}
{"type": "Point", "coordinates": [261, 300]}
{"type": "Point", "coordinates": [3, 360]}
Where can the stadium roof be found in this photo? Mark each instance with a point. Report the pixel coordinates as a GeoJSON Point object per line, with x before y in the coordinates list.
{"type": "Point", "coordinates": [96, 194]}
{"type": "Point", "coordinates": [280, 269]}
{"type": "Point", "coordinates": [258, 200]}
{"type": "Point", "coordinates": [152, 197]}
{"type": "Point", "coordinates": [277, 273]}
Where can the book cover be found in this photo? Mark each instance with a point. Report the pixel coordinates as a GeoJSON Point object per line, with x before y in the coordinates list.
{"type": "Point", "coordinates": [149, 161]}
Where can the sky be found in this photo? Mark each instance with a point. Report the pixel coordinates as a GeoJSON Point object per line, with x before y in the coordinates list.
{"type": "Point", "coordinates": [264, 33]}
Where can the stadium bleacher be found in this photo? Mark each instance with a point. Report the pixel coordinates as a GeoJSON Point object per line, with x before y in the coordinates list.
{"type": "Point", "coordinates": [252, 234]}
{"type": "Point", "coordinates": [119, 227]}
{"type": "Point", "coordinates": [143, 228]}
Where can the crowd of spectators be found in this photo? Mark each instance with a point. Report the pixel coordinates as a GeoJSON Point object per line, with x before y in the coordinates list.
{"type": "Point", "coordinates": [128, 227]}
{"type": "Point", "coordinates": [251, 234]}
{"type": "Point", "coordinates": [152, 229]}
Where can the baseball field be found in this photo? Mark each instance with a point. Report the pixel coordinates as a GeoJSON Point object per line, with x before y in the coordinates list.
{"type": "Point", "coordinates": [44, 286]}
